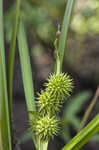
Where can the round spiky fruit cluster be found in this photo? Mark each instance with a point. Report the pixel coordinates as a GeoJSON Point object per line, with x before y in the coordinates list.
{"type": "Point", "coordinates": [45, 127]}
{"type": "Point", "coordinates": [59, 85]}
{"type": "Point", "coordinates": [47, 103]}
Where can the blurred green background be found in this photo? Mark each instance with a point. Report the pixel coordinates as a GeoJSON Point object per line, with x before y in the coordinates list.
{"type": "Point", "coordinates": [81, 59]}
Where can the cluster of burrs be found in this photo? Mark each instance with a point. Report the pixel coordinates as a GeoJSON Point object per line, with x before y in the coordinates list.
{"type": "Point", "coordinates": [49, 102]}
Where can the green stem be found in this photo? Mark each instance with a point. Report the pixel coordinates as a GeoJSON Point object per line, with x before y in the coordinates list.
{"type": "Point", "coordinates": [64, 31]}
{"type": "Point", "coordinates": [11, 57]}
{"type": "Point", "coordinates": [58, 69]}
{"type": "Point", "coordinates": [43, 145]}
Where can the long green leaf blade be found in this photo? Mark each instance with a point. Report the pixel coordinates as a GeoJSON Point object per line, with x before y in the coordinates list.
{"type": "Point", "coordinates": [11, 57]}
{"type": "Point", "coordinates": [26, 73]}
{"type": "Point", "coordinates": [5, 134]}
{"type": "Point", "coordinates": [26, 69]}
{"type": "Point", "coordinates": [84, 135]}
{"type": "Point", "coordinates": [64, 31]}
{"type": "Point", "coordinates": [1, 145]}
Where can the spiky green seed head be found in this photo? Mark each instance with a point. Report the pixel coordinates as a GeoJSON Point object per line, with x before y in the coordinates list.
{"type": "Point", "coordinates": [47, 103]}
{"type": "Point", "coordinates": [45, 127]}
{"type": "Point", "coordinates": [59, 85]}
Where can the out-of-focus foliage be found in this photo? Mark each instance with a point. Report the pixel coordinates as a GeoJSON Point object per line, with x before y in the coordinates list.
{"type": "Point", "coordinates": [83, 40]}
{"type": "Point", "coordinates": [70, 115]}
{"type": "Point", "coordinates": [39, 16]}
{"type": "Point", "coordinates": [42, 17]}
{"type": "Point", "coordinates": [86, 18]}
{"type": "Point", "coordinates": [71, 109]}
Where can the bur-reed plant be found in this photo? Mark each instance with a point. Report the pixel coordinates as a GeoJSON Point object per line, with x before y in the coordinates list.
{"type": "Point", "coordinates": [44, 121]}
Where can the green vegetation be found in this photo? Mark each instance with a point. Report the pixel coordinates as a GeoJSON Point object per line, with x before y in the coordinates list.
{"type": "Point", "coordinates": [43, 111]}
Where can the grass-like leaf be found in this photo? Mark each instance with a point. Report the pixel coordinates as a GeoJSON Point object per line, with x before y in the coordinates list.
{"type": "Point", "coordinates": [5, 134]}
{"type": "Point", "coordinates": [64, 31]}
{"type": "Point", "coordinates": [11, 57]}
{"type": "Point", "coordinates": [26, 73]}
{"type": "Point", "coordinates": [26, 69]}
{"type": "Point", "coordinates": [84, 135]}
{"type": "Point", "coordinates": [1, 145]}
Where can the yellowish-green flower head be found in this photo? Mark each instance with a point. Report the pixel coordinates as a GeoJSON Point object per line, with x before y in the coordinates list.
{"type": "Point", "coordinates": [45, 127]}
{"type": "Point", "coordinates": [57, 89]}
{"type": "Point", "coordinates": [59, 85]}
{"type": "Point", "coordinates": [47, 103]}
